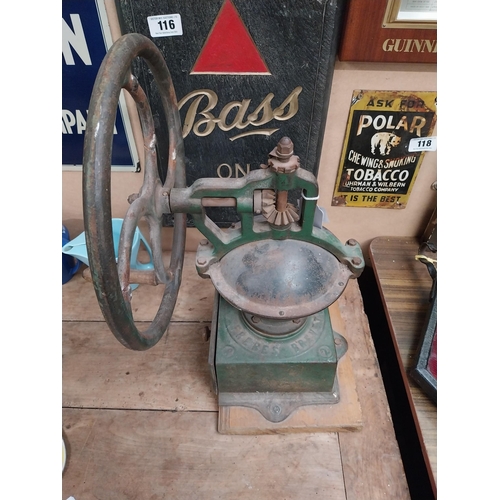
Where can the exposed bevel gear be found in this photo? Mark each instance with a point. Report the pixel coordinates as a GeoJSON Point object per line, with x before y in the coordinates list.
{"type": "Point", "coordinates": [275, 217]}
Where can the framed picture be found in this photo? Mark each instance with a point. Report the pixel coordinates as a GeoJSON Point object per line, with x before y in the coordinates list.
{"type": "Point", "coordinates": [412, 14]}
{"type": "Point", "coordinates": [390, 31]}
{"type": "Point", "coordinates": [425, 370]}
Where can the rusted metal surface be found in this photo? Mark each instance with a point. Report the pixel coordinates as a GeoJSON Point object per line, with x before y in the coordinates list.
{"type": "Point", "coordinates": [276, 209]}
{"type": "Point", "coordinates": [280, 279]}
{"type": "Point", "coordinates": [281, 158]}
{"type": "Point", "coordinates": [112, 280]}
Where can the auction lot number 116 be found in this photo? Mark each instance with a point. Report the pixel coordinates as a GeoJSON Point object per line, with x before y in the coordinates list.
{"type": "Point", "coordinates": [166, 25]}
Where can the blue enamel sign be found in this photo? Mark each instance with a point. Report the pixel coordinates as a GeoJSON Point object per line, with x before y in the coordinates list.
{"type": "Point", "coordinates": [85, 40]}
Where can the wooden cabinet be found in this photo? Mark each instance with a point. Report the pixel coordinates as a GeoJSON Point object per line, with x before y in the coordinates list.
{"type": "Point", "coordinates": [404, 285]}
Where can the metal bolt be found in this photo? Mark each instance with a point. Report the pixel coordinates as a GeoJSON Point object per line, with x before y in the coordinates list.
{"type": "Point", "coordinates": [202, 262]}
{"type": "Point", "coordinates": [356, 261]}
{"type": "Point", "coordinates": [338, 341]}
{"type": "Point", "coordinates": [352, 243]}
{"type": "Point", "coordinates": [276, 409]}
{"type": "Point", "coordinates": [255, 319]}
{"type": "Point", "coordinates": [282, 313]}
{"type": "Point", "coordinates": [341, 283]}
{"type": "Point", "coordinates": [284, 148]}
{"type": "Point", "coordinates": [296, 320]}
{"type": "Point", "coordinates": [204, 242]}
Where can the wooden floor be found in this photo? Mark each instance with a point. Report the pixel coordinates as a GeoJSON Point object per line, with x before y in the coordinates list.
{"type": "Point", "coordinates": [143, 425]}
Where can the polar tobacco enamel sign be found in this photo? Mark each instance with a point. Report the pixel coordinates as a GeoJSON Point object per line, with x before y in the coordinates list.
{"type": "Point", "coordinates": [377, 167]}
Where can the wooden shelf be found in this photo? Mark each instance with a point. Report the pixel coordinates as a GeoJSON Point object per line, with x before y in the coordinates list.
{"type": "Point", "coordinates": [404, 285]}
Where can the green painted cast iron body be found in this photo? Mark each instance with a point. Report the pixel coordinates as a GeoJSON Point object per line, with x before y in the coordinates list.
{"type": "Point", "coordinates": [189, 200]}
{"type": "Point", "coordinates": [247, 361]}
{"type": "Point", "coordinates": [245, 267]}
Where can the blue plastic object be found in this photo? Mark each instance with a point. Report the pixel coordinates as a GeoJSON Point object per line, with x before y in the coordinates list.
{"type": "Point", "coordinates": [70, 265]}
{"type": "Point", "coordinates": [78, 248]}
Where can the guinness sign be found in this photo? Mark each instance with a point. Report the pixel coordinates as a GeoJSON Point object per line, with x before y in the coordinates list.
{"type": "Point", "coordinates": [245, 73]}
{"type": "Point", "coordinates": [390, 31]}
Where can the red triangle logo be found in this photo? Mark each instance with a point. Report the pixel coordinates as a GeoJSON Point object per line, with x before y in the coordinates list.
{"type": "Point", "coordinates": [229, 48]}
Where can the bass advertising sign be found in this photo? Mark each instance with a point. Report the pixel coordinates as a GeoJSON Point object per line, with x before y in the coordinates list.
{"type": "Point", "coordinates": [245, 73]}
{"type": "Point", "coordinates": [386, 138]}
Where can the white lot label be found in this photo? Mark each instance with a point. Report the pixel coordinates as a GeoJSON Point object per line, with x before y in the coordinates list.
{"type": "Point", "coordinates": [423, 144]}
{"type": "Point", "coordinates": [167, 25]}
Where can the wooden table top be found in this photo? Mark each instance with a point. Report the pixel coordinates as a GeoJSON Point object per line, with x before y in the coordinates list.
{"type": "Point", "coordinates": [404, 285]}
{"type": "Point", "coordinates": [143, 425]}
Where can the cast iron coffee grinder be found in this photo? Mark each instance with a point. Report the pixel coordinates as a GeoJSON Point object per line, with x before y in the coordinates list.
{"type": "Point", "coordinates": [275, 272]}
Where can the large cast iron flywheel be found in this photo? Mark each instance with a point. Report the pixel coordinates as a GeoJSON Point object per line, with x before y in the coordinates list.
{"type": "Point", "coordinates": [110, 275]}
